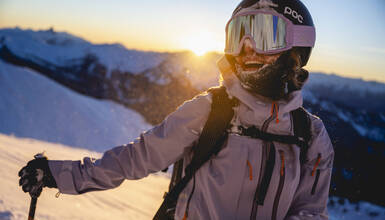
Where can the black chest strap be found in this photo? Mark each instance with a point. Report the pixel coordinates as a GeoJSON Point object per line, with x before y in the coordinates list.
{"type": "Point", "coordinates": [301, 138]}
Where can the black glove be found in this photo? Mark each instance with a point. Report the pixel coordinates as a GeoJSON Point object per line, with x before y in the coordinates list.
{"type": "Point", "coordinates": [36, 175]}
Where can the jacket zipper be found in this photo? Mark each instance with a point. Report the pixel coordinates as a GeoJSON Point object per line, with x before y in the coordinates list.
{"type": "Point", "coordinates": [317, 172]}
{"type": "Point", "coordinates": [315, 182]}
{"type": "Point", "coordinates": [280, 186]}
{"type": "Point", "coordinates": [265, 148]}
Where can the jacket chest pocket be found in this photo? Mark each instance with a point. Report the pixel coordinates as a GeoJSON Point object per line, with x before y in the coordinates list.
{"type": "Point", "coordinates": [292, 165]}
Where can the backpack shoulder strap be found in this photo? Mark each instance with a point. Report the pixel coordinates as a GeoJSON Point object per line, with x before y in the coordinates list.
{"type": "Point", "coordinates": [302, 129]}
{"type": "Point", "coordinates": [210, 142]}
{"type": "Point", "coordinates": [214, 132]}
{"type": "Point", "coordinates": [217, 122]}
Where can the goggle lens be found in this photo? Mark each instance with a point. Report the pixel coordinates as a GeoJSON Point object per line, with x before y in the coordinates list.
{"type": "Point", "coordinates": [268, 32]}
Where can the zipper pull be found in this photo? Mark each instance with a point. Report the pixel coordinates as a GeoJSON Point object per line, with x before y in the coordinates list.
{"type": "Point", "coordinates": [274, 109]}
{"type": "Point", "coordinates": [185, 216]}
{"type": "Point", "coordinates": [250, 170]}
{"type": "Point", "coordinates": [316, 164]}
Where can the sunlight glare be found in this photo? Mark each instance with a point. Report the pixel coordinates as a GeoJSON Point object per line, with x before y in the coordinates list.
{"type": "Point", "coordinates": [201, 42]}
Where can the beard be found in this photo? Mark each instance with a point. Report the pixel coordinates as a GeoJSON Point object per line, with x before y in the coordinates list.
{"type": "Point", "coordinates": [275, 81]}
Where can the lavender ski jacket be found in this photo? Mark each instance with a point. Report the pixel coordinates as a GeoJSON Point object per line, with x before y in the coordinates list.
{"type": "Point", "coordinates": [225, 185]}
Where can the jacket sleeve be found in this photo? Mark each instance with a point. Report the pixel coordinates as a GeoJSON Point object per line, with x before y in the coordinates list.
{"type": "Point", "coordinates": [311, 196]}
{"type": "Point", "coordinates": [153, 151]}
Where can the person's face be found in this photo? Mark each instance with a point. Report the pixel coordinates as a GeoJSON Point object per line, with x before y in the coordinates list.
{"type": "Point", "coordinates": [249, 60]}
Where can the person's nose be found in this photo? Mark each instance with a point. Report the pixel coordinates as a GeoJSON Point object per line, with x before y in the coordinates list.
{"type": "Point", "coordinates": [248, 49]}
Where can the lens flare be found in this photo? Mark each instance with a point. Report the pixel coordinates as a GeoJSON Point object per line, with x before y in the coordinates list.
{"type": "Point", "coordinates": [201, 42]}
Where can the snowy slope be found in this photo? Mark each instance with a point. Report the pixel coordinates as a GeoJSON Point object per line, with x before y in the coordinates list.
{"type": "Point", "coordinates": [34, 106]}
{"type": "Point", "coordinates": [63, 49]}
{"type": "Point", "coordinates": [132, 200]}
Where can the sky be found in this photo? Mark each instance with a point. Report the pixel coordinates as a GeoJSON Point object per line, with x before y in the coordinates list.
{"type": "Point", "coordinates": [349, 32]}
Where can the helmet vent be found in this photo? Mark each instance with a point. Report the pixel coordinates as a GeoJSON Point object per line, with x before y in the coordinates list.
{"type": "Point", "coordinates": [264, 4]}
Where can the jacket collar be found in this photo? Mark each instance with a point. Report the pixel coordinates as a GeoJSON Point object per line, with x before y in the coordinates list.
{"type": "Point", "coordinates": [253, 101]}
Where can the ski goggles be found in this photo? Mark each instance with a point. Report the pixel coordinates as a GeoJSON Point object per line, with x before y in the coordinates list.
{"type": "Point", "coordinates": [268, 31]}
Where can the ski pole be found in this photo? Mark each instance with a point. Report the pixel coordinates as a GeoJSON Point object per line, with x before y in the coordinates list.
{"type": "Point", "coordinates": [35, 191]}
{"type": "Point", "coordinates": [32, 207]}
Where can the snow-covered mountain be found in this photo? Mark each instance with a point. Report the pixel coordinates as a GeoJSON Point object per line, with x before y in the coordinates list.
{"type": "Point", "coordinates": [31, 105]}
{"type": "Point", "coordinates": [359, 103]}
{"type": "Point", "coordinates": [62, 49]}
{"type": "Point", "coordinates": [154, 84]}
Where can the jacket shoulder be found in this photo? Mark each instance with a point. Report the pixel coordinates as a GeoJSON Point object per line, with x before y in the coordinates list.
{"type": "Point", "coordinates": [320, 142]}
{"type": "Point", "coordinates": [191, 115]}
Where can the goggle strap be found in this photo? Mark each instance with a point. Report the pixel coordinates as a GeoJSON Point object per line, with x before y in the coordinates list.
{"type": "Point", "coordinates": [224, 65]}
{"type": "Point", "coordinates": [303, 36]}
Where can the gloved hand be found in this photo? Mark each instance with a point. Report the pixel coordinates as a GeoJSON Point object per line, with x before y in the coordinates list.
{"type": "Point", "coordinates": [36, 175]}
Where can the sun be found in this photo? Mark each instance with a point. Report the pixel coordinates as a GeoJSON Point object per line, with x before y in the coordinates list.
{"type": "Point", "coordinates": [201, 42]}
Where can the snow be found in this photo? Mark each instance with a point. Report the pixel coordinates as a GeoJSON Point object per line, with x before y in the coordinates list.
{"type": "Point", "coordinates": [343, 116]}
{"type": "Point", "coordinates": [342, 83]}
{"type": "Point", "coordinates": [117, 57]}
{"type": "Point", "coordinates": [137, 199]}
{"type": "Point", "coordinates": [309, 96]}
{"type": "Point", "coordinates": [356, 121]}
{"type": "Point", "coordinates": [354, 211]}
{"type": "Point", "coordinates": [63, 49]}
{"type": "Point", "coordinates": [132, 200]}
{"type": "Point", "coordinates": [34, 106]}
{"type": "Point", "coordinates": [375, 133]}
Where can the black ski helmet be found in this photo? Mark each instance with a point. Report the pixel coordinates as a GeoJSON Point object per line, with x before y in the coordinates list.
{"type": "Point", "coordinates": [293, 10]}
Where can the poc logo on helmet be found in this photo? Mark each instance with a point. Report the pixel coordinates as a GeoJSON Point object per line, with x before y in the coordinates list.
{"type": "Point", "coordinates": [294, 14]}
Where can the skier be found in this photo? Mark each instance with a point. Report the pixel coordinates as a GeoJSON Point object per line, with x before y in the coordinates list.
{"type": "Point", "coordinates": [269, 163]}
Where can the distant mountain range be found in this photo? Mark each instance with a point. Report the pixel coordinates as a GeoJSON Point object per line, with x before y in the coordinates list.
{"type": "Point", "coordinates": [154, 84]}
